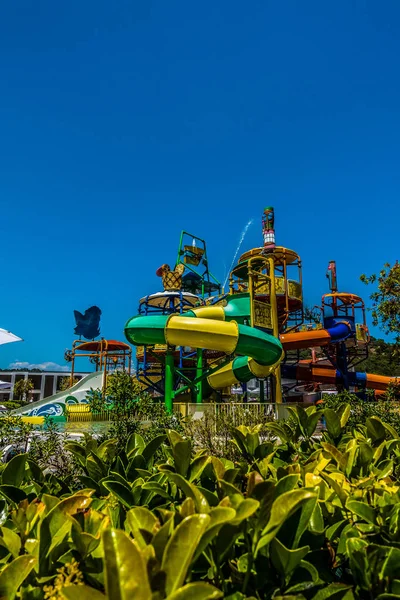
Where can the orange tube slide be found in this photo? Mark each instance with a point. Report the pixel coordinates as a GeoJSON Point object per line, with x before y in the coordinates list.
{"type": "Point", "coordinates": [304, 339]}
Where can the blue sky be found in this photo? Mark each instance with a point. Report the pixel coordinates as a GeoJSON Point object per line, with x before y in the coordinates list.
{"type": "Point", "coordinates": [123, 123]}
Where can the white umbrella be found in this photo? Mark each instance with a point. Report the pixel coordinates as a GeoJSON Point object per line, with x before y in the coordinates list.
{"type": "Point", "coordinates": [6, 337]}
{"type": "Point", "coordinates": [4, 385]}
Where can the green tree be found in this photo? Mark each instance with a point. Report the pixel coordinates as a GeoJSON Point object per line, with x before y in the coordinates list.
{"type": "Point", "coordinates": [66, 383]}
{"type": "Point", "coordinates": [382, 359]}
{"type": "Point", "coordinates": [96, 400]}
{"type": "Point", "coordinates": [122, 391]}
{"type": "Point", "coordinates": [23, 390]}
{"type": "Point", "coordinates": [386, 299]}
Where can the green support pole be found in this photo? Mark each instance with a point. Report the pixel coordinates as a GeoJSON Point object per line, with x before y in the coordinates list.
{"type": "Point", "coordinates": [199, 372]}
{"type": "Point", "coordinates": [262, 390]}
{"type": "Point", "coordinates": [169, 380]}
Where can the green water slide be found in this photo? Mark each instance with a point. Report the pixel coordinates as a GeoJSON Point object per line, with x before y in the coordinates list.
{"type": "Point", "coordinates": [219, 328]}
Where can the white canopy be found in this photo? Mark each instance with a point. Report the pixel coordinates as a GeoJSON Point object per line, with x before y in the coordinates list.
{"type": "Point", "coordinates": [5, 385]}
{"type": "Point", "coordinates": [6, 337]}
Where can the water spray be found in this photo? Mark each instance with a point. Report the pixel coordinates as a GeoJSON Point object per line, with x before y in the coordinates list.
{"type": "Point", "coordinates": [242, 236]}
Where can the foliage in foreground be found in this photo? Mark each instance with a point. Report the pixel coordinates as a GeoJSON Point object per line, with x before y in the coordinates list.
{"type": "Point", "coordinates": [295, 516]}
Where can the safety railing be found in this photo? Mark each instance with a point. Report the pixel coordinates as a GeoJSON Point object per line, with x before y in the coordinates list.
{"type": "Point", "coordinates": [237, 412]}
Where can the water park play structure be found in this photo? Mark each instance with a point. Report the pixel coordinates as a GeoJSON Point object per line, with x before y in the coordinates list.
{"type": "Point", "coordinates": [200, 338]}
{"type": "Point", "coordinates": [194, 340]}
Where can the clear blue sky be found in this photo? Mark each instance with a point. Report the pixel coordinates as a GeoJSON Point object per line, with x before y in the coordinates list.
{"type": "Point", "coordinates": [124, 122]}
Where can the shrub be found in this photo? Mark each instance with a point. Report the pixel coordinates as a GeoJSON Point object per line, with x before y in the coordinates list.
{"type": "Point", "coordinates": [296, 516]}
{"type": "Point", "coordinates": [384, 408]}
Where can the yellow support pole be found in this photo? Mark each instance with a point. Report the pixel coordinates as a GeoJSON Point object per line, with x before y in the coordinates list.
{"type": "Point", "coordinates": [276, 377]}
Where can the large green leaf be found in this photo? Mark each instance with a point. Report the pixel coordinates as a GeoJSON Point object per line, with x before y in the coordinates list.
{"type": "Point", "coordinates": [334, 591]}
{"type": "Point", "coordinates": [11, 541]}
{"type": "Point", "coordinates": [350, 456]}
{"type": "Point", "coordinates": [174, 437]}
{"type": "Point", "coordinates": [285, 560]}
{"type": "Point", "coordinates": [218, 467]}
{"type": "Point", "coordinates": [85, 543]}
{"type": "Point", "coordinates": [89, 482]}
{"type": "Point", "coordinates": [93, 468]}
{"type": "Point", "coordinates": [356, 551]}
{"type": "Point", "coordinates": [197, 467]}
{"type": "Point", "coordinates": [123, 493]}
{"type": "Point", "coordinates": [190, 490]}
{"type": "Point", "coordinates": [14, 574]}
{"type": "Point", "coordinates": [78, 451]}
{"type": "Point", "coordinates": [35, 471]}
{"type": "Point", "coordinates": [391, 430]}
{"type": "Point", "coordinates": [181, 452]}
{"type": "Point", "coordinates": [219, 516]}
{"type": "Point", "coordinates": [280, 431]}
{"type": "Point", "coordinates": [385, 468]}
{"type": "Point", "coordinates": [12, 493]}
{"type": "Point", "coordinates": [14, 472]}
{"type": "Point", "coordinates": [387, 560]}
{"type": "Point", "coordinates": [341, 493]}
{"type": "Point", "coordinates": [156, 488]}
{"type": "Point", "coordinates": [362, 509]}
{"type": "Point", "coordinates": [334, 452]}
{"type": "Point", "coordinates": [312, 422]}
{"type": "Point", "coordinates": [142, 524]}
{"type": "Point", "coordinates": [252, 442]}
{"type": "Point", "coordinates": [245, 509]}
{"type": "Point", "coordinates": [344, 412]}
{"type": "Point", "coordinates": [135, 443]}
{"type": "Point", "coordinates": [196, 591]}
{"type": "Point", "coordinates": [366, 454]}
{"type": "Point", "coordinates": [125, 568]}
{"type": "Point", "coordinates": [180, 550]}
{"type": "Point", "coordinates": [152, 447]}
{"type": "Point", "coordinates": [287, 483]}
{"type": "Point", "coordinates": [161, 538]}
{"type": "Point", "coordinates": [307, 510]}
{"type": "Point", "coordinates": [316, 524]}
{"type": "Point", "coordinates": [239, 439]}
{"type": "Point", "coordinates": [284, 506]}
{"type": "Point", "coordinates": [332, 423]}
{"type": "Point", "coordinates": [375, 429]}
{"type": "Point", "coordinates": [57, 523]}
{"type": "Point", "coordinates": [107, 450]}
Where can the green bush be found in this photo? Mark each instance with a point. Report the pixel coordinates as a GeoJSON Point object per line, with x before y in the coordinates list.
{"type": "Point", "coordinates": [295, 515]}
{"type": "Point", "coordinates": [11, 404]}
{"type": "Point", "coordinates": [384, 408]}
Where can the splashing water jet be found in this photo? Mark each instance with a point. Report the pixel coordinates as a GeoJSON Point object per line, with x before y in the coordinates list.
{"type": "Point", "coordinates": [241, 239]}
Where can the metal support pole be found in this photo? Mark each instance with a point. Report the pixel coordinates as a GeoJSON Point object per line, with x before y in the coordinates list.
{"type": "Point", "coordinates": [277, 386]}
{"type": "Point", "coordinates": [276, 377]}
{"type": "Point", "coordinates": [262, 390]}
{"type": "Point", "coordinates": [169, 380]}
{"type": "Point", "coordinates": [199, 371]}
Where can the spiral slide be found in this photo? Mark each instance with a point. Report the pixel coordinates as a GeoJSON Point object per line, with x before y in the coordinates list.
{"type": "Point", "coordinates": [308, 371]}
{"type": "Point", "coordinates": [339, 332]}
{"type": "Point", "coordinates": [210, 328]}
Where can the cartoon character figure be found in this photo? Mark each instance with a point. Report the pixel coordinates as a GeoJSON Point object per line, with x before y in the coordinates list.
{"type": "Point", "coordinates": [88, 324]}
{"type": "Point", "coordinates": [172, 280]}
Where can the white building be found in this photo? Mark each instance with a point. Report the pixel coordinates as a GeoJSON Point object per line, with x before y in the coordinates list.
{"type": "Point", "coordinates": [45, 383]}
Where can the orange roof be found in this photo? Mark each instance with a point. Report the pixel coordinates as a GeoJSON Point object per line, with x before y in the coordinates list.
{"type": "Point", "coordinates": [344, 297]}
{"type": "Point", "coordinates": [102, 345]}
